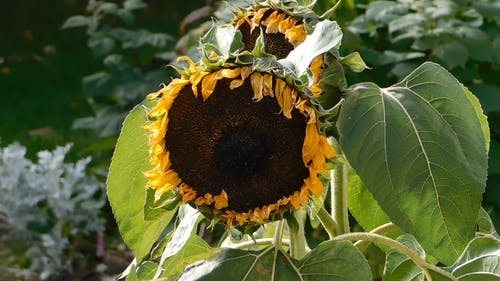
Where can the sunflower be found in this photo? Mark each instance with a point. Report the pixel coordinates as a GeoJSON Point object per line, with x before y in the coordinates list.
{"type": "Point", "coordinates": [282, 32]}
{"type": "Point", "coordinates": [240, 144]}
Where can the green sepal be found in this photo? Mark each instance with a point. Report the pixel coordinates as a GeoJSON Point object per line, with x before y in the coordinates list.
{"type": "Point", "coordinates": [294, 8]}
{"type": "Point", "coordinates": [354, 62]}
{"type": "Point", "coordinates": [259, 51]}
{"type": "Point", "coordinates": [223, 40]}
{"type": "Point", "coordinates": [154, 208]}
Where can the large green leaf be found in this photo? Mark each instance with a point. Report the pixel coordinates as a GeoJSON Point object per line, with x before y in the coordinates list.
{"type": "Point", "coordinates": [331, 260]}
{"type": "Point", "coordinates": [399, 267]}
{"type": "Point", "coordinates": [363, 206]}
{"type": "Point", "coordinates": [420, 149]}
{"type": "Point", "coordinates": [126, 186]}
{"type": "Point", "coordinates": [481, 259]}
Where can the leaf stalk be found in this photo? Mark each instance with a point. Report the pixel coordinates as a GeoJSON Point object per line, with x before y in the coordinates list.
{"type": "Point", "coordinates": [398, 246]}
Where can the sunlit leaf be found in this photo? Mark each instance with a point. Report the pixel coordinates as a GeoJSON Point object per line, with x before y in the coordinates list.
{"type": "Point", "coordinates": [332, 260]}
{"type": "Point", "coordinates": [127, 186]}
{"type": "Point", "coordinates": [480, 116]}
{"type": "Point", "coordinates": [420, 149]}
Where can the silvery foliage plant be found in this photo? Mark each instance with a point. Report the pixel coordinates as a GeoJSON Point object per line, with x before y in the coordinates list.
{"type": "Point", "coordinates": [43, 204]}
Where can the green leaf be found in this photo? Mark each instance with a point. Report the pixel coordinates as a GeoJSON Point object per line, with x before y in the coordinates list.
{"type": "Point", "coordinates": [146, 270]}
{"type": "Point", "coordinates": [452, 54]}
{"type": "Point", "coordinates": [480, 259]}
{"type": "Point", "coordinates": [188, 218]}
{"type": "Point", "coordinates": [326, 36]}
{"type": "Point", "coordinates": [76, 21]}
{"type": "Point", "coordinates": [101, 46]}
{"type": "Point", "coordinates": [483, 120]}
{"type": "Point", "coordinates": [485, 224]}
{"type": "Point", "coordinates": [127, 186]}
{"type": "Point", "coordinates": [354, 62]}
{"type": "Point", "coordinates": [438, 276]}
{"type": "Point", "coordinates": [134, 4]}
{"type": "Point", "coordinates": [154, 208]}
{"type": "Point", "coordinates": [399, 267]}
{"type": "Point", "coordinates": [419, 148]}
{"type": "Point", "coordinates": [363, 206]}
{"type": "Point", "coordinates": [194, 250]}
{"type": "Point", "coordinates": [223, 40]}
{"type": "Point", "coordinates": [480, 276]}
{"type": "Point", "coordinates": [331, 260]}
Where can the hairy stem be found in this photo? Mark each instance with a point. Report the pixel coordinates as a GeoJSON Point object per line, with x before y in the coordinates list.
{"type": "Point", "coordinates": [398, 246]}
{"type": "Point", "coordinates": [363, 244]}
{"type": "Point", "coordinates": [298, 246]}
{"type": "Point", "coordinates": [339, 182]}
{"type": "Point", "coordinates": [258, 242]}
{"type": "Point", "coordinates": [278, 235]}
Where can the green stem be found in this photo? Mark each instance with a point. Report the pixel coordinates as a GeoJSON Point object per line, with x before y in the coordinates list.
{"type": "Point", "coordinates": [398, 246]}
{"type": "Point", "coordinates": [363, 244]}
{"type": "Point", "coordinates": [339, 182]}
{"type": "Point", "coordinates": [258, 242]}
{"type": "Point", "coordinates": [298, 244]}
{"type": "Point", "coordinates": [278, 235]}
{"type": "Point", "coordinates": [328, 222]}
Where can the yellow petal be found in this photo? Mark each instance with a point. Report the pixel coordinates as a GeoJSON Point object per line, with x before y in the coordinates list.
{"type": "Point", "coordinates": [258, 15]}
{"type": "Point", "coordinates": [188, 194]}
{"type": "Point", "coordinates": [279, 92]}
{"type": "Point", "coordinates": [221, 200]}
{"type": "Point", "coordinates": [295, 200]}
{"type": "Point", "coordinates": [208, 85]}
{"type": "Point", "coordinates": [286, 24]}
{"type": "Point", "coordinates": [245, 72]}
{"type": "Point", "coordinates": [257, 86]}
{"type": "Point", "coordinates": [192, 65]}
{"type": "Point", "coordinates": [313, 183]}
{"type": "Point", "coordinates": [289, 97]}
{"type": "Point", "coordinates": [267, 82]}
{"type": "Point", "coordinates": [199, 201]}
{"type": "Point", "coordinates": [296, 34]}
{"type": "Point", "coordinates": [273, 21]}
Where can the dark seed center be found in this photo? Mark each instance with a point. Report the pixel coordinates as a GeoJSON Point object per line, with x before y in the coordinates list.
{"type": "Point", "coordinates": [240, 154]}
{"type": "Point", "coordinates": [230, 142]}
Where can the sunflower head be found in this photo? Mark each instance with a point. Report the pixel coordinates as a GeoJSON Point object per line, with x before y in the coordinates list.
{"type": "Point", "coordinates": [239, 143]}
{"type": "Point", "coordinates": [280, 31]}
{"type": "Point", "coordinates": [277, 28]}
